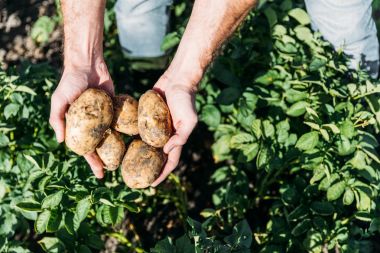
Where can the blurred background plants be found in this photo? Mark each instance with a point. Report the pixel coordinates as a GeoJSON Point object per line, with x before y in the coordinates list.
{"type": "Point", "coordinates": [286, 148]}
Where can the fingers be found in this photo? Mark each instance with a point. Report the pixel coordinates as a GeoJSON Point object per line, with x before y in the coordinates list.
{"type": "Point", "coordinates": [171, 164]}
{"type": "Point", "coordinates": [182, 109]}
{"type": "Point", "coordinates": [58, 109]}
{"type": "Point", "coordinates": [96, 164]}
{"type": "Point", "coordinates": [184, 127]}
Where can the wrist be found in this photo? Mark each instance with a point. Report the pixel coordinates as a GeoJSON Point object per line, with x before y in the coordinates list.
{"type": "Point", "coordinates": [82, 62]}
{"type": "Point", "coordinates": [185, 73]}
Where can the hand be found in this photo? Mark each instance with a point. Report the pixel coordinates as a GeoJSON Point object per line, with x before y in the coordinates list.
{"type": "Point", "coordinates": [180, 100]}
{"type": "Point", "coordinates": [73, 83]}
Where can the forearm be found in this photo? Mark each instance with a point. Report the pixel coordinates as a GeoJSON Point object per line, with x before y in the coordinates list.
{"type": "Point", "coordinates": [210, 24]}
{"type": "Point", "coordinates": [83, 32]}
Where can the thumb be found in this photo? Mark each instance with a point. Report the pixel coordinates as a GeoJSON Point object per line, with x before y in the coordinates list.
{"type": "Point", "coordinates": [58, 109]}
{"type": "Point", "coordinates": [183, 131]}
{"type": "Point", "coordinates": [181, 105]}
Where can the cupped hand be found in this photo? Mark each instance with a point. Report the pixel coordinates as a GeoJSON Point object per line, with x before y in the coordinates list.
{"type": "Point", "coordinates": [74, 81]}
{"type": "Point", "coordinates": [180, 99]}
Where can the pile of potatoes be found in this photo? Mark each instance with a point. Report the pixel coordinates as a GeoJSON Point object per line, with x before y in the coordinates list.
{"type": "Point", "coordinates": [95, 122]}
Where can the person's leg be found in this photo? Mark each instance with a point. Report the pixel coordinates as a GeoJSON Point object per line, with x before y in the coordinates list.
{"type": "Point", "coordinates": [348, 25]}
{"type": "Point", "coordinates": [142, 26]}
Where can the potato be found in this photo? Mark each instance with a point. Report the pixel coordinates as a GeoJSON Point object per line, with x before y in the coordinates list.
{"type": "Point", "coordinates": [125, 117]}
{"type": "Point", "coordinates": [111, 150]}
{"type": "Point", "coordinates": [87, 120]}
{"type": "Point", "coordinates": [142, 164]}
{"type": "Point", "coordinates": [154, 120]}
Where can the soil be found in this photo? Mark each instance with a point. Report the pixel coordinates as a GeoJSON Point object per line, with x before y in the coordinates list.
{"type": "Point", "coordinates": [16, 20]}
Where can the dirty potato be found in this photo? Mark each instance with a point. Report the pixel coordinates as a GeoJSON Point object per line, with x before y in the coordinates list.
{"type": "Point", "coordinates": [142, 164]}
{"type": "Point", "coordinates": [111, 150]}
{"type": "Point", "coordinates": [125, 116]}
{"type": "Point", "coordinates": [154, 120]}
{"type": "Point", "coordinates": [87, 120]}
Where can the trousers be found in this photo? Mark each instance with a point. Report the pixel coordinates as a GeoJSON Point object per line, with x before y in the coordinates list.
{"type": "Point", "coordinates": [347, 24]}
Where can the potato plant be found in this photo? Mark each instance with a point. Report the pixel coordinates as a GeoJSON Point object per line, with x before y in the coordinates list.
{"type": "Point", "coordinates": [45, 190]}
{"type": "Point", "coordinates": [302, 128]}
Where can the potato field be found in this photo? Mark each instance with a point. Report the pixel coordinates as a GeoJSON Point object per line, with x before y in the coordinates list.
{"type": "Point", "coordinates": [285, 157]}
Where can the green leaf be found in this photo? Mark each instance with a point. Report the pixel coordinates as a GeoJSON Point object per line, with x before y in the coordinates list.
{"type": "Point", "coordinates": [345, 147]}
{"type": "Point", "coordinates": [164, 246]}
{"type": "Point", "coordinates": [81, 211]}
{"type": "Point", "coordinates": [8, 224]}
{"type": "Point", "coordinates": [69, 223]}
{"type": "Point", "coordinates": [318, 174]}
{"type": "Point", "coordinates": [271, 16]}
{"type": "Point", "coordinates": [106, 202]}
{"type": "Point", "coordinates": [358, 161]}
{"type": "Point", "coordinates": [11, 110]}
{"type": "Point", "coordinates": [42, 29]}
{"type": "Point", "coordinates": [52, 245]}
{"type": "Point", "coordinates": [241, 236]}
{"type": "Point", "coordinates": [348, 197]}
{"type": "Point", "coordinates": [335, 191]}
{"type": "Point", "coordinates": [171, 40]}
{"type": "Point", "coordinates": [52, 200]}
{"type": "Point", "coordinates": [375, 225]}
{"type": "Point", "coordinates": [84, 249]}
{"type": "Point", "coordinates": [250, 151]}
{"type": "Point", "coordinates": [332, 127]}
{"type": "Point", "coordinates": [316, 64]}
{"type": "Point", "coordinates": [293, 95]}
{"type": "Point", "coordinates": [42, 221]}
{"type": "Point", "coordinates": [348, 129]}
{"type": "Point", "coordinates": [224, 74]}
{"type": "Point", "coordinates": [324, 134]}
{"type": "Point", "coordinates": [298, 213]}
{"type": "Point", "coordinates": [322, 208]}
{"type": "Point", "coordinates": [221, 148]}
{"type": "Point", "coordinates": [29, 206]}
{"type": "Point", "coordinates": [327, 181]}
{"type": "Point", "coordinates": [364, 203]}
{"type": "Point", "coordinates": [308, 141]}
{"type": "Point", "coordinates": [301, 227]}
{"type": "Point", "coordinates": [268, 78]}
{"type": "Point", "coordinates": [300, 15]}
{"type": "Point", "coordinates": [256, 128]}
{"type": "Point", "coordinates": [54, 221]}
{"type": "Point", "coordinates": [184, 245]}
{"type": "Point", "coordinates": [240, 138]}
{"type": "Point", "coordinates": [4, 140]}
{"type": "Point", "coordinates": [228, 96]}
{"type": "Point", "coordinates": [26, 89]}
{"type": "Point", "coordinates": [262, 157]}
{"type": "Point", "coordinates": [303, 34]}
{"type": "Point", "coordinates": [268, 128]}
{"type": "Point", "coordinates": [113, 215]}
{"type": "Point", "coordinates": [211, 116]}
{"type": "Point", "coordinates": [373, 154]}
{"type": "Point", "coordinates": [297, 109]}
